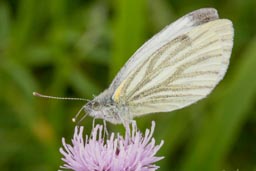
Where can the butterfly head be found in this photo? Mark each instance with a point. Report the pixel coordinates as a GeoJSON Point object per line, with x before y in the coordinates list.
{"type": "Point", "coordinates": [103, 107]}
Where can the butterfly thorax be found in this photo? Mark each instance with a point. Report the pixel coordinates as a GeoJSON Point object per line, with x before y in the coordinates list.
{"type": "Point", "coordinates": [104, 107]}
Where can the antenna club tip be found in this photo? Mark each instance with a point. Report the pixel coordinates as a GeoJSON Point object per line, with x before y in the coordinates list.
{"type": "Point", "coordinates": [34, 93]}
{"type": "Point", "coordinates": [73, 119]}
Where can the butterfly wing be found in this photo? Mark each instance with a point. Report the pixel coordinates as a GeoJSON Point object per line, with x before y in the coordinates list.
{"type": "Point", "coordinates": [180, 26]}
{"type": "Point", "coordinates": [174, 70]}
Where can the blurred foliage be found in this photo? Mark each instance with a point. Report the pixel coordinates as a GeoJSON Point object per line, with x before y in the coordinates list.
{"type": "Point", "coordinates": [74, 48]}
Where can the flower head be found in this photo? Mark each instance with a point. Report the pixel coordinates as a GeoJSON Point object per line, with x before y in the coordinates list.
{"type": "Point", "coordinates": [134, 152]}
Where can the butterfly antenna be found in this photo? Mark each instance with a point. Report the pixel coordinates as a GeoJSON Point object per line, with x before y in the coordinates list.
{"type": "Point", "coordinates": [58, 98]}
{"type": "Point", "coordinates": [74, 119]}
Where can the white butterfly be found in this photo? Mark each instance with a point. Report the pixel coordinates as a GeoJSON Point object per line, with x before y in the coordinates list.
{"type": "Point", "coordinates": [177, 67]}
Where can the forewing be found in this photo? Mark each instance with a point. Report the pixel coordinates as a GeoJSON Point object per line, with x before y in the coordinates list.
{"type": "Point", "coordinates": [180, 72]}
{"type": "Point", "coordinates": [179, 27]}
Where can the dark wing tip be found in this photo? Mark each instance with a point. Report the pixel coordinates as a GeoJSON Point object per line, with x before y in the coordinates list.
{"type": "Point", "coordinates": [203, 15]}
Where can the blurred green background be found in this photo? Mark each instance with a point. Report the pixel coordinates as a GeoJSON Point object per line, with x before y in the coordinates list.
{"type": "Point", "coordinates": [75, 48]}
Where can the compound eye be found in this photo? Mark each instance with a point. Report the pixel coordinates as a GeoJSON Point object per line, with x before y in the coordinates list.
{"type": "Point", "coordinates": [95, 105]}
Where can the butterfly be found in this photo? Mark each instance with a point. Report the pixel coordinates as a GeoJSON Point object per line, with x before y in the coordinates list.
{"type": "Point", "coordinates": [175, 68]}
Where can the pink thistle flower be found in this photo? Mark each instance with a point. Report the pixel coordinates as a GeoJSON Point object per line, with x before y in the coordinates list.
{"type": "Point", "coordinates": [134, 152]}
